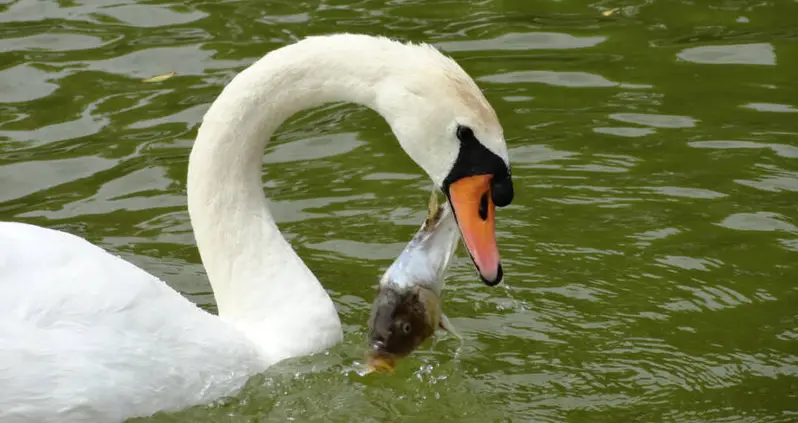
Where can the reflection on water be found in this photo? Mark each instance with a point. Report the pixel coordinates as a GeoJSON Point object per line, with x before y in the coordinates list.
{"type": "Point", "coordinates": [562, 79]}
{"type": "Point", "coordinates": [744, 54]}
{"type": "Point", "coordinates": [650, 252]}
{"type": "Point", "coordinates": [523, 41]}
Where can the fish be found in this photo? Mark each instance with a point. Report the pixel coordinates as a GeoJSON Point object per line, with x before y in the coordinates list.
{"type": "Point", "coordinates": [407, 309]}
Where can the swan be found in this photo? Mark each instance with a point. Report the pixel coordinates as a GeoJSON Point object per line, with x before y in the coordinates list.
{"type": "Point", "coordinates": [87, 336]}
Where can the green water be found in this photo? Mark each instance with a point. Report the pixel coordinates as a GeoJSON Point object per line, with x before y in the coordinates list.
{"type": "Point", "coordinates": [651, 252]}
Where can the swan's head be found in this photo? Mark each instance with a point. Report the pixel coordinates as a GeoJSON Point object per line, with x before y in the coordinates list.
{"type": "Point", "coordinates": [446, 125]}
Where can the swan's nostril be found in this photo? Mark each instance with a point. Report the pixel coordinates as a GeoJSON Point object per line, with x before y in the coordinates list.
{"type": "Point", "coordinates": [483, 207]}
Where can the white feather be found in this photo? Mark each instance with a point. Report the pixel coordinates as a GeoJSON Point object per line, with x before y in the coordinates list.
{"type": "Point", "coordinates": [87, 336]}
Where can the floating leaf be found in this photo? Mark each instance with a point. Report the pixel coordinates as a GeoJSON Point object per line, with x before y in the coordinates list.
{"type": "Point", "coordinates": [160, 78]}
{"type": "Point", "coordinates": [609, 12]}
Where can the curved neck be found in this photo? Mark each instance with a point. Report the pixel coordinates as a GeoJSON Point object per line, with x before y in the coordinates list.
{"type": "Point", "coordinates": [259, 282]}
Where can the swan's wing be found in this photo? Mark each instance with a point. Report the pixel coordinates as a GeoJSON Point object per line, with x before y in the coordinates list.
{"type": "Point", "coordinates": [85, 335]}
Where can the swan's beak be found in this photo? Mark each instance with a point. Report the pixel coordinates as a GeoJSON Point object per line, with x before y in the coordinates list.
{"type": "Point", "coordinates": [474, 210]}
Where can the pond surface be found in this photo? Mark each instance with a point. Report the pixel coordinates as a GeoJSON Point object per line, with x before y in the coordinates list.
{"type": "Point", "coordinates": [651, 253]}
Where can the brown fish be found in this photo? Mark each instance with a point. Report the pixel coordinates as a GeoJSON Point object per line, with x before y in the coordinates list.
{"type": "Point", "coordinates": [407, 309]}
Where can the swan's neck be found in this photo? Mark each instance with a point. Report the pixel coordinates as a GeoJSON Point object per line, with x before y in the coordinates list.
{"type": "Point", "coordinates": [259, 282]}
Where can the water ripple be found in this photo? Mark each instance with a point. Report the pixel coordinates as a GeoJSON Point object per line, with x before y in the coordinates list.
{"type": "Point", "coordinates": [783, 150]}
{"type": "Point", "coordinates": [649, 253]}
{"type": "Point", "coordinates": [743, 54]}
{"type": "Point", "coordinates": [524, 41]}
{"type": "Point", "coordinates": [24, 83]}
{"type": "Point", "coordinates": [759, 221]}
{"type": "Point", "coordinates": [147, 16]}
{"type": "Point", "coordinates": [560, 79]}
{"type": "Point", "coordinates": [773, 179]}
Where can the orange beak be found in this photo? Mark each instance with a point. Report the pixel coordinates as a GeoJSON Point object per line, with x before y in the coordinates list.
{"type": "Point", "coordinates": [474, 210]}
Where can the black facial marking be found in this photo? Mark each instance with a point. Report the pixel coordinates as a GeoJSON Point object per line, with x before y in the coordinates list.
{"type": "Point", "coordinates": [464, 133]}
{"type": "Point", "coordinates": [483, 207]}
{"type": "Point", "coordinates": [475, 159]}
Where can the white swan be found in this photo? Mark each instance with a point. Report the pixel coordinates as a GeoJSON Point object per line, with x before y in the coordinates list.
{"type": "Point", "coordinates": [87, 336]}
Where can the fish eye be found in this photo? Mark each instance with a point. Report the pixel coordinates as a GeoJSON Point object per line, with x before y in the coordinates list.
{"type": "Point", "coordinates": [406, 327]}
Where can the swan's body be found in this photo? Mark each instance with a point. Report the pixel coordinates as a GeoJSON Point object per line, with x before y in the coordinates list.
{"type": "Point", "coordinates": [86, 336]}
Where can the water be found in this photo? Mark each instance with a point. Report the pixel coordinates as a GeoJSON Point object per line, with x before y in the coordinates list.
{"type": "Point", "coordinates": [651, 252]}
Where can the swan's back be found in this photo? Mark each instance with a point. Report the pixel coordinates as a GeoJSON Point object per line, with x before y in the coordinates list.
{"type": "Point", "coordinates": [87, 336]}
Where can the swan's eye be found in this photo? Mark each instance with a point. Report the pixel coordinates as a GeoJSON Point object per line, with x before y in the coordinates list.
{"type": "Point", "coordinates": [406, 327]}
{"type": "Point", "coordinates": [464, 133]}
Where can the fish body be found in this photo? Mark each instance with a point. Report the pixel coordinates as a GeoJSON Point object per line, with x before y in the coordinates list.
{"type": "Point", "coordinates": [407, 309]}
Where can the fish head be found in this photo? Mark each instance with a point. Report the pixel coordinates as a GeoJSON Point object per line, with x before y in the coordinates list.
{"type": "Point", "coordinates": [401, 320]}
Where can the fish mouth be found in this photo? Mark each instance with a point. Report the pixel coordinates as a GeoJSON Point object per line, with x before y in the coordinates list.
{"type": "Point", "coordinates": [380, 362]}
{"type": "Point", "coordinates": [474, 210]}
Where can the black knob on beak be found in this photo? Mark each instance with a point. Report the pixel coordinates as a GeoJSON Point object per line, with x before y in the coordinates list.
{"type": "Point", "coordinates": [502, 190]}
